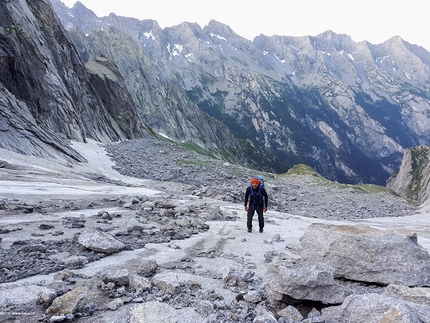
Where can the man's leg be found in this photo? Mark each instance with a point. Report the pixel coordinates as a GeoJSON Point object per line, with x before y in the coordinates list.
{"type": "Point", "coordinates": [250, 215]}
{"type": "Point", "coordinates": [260, 218]}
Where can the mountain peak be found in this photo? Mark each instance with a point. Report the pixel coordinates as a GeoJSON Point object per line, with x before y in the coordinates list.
{"type": "Point", "coordinates": [340, 40]}
{"type": "Point", "coordinates": [80, 7]}
{"type": "Point", "coordinates": [222, 30]}
{"type": "Point", "coordinates": [219, 28]}
{"type": "Point", "coordinates": [395, 41]}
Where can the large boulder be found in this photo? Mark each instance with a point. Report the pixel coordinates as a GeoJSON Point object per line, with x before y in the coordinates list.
{"type": "Point", "coordinates": [366, 254]}
{"type": "Point", "coordinates": [68, 302]}
{"type": "Point", "coordinates": [99, 241]}
{"type": "Point", "coordinates": [376, 308]}
{"type": "Point", "coordinates": [292, 280]}
{"type": "Point", "coordinates": [418, 295]}
{"type": "Point", "coordinates": [154, 312]}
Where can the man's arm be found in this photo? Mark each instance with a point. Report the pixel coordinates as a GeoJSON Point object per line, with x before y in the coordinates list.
{"type": "Point", "coordinates": [247, 192]}
{"type": "Point", "coordinates": [266, 199]}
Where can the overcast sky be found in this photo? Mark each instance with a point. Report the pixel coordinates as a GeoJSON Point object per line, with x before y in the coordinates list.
{"type": "Point", "coordinates": [373, 20]}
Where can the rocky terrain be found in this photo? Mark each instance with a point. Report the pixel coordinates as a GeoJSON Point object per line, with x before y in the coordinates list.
{"type": "Point", "coordinates": [413, 177]}
{"type": "Point", "coordinates": [98, 226]}
{"type": "Point", "coordinates": [311, 196]}
{"type": "Point", "coordinates": [148, 231]}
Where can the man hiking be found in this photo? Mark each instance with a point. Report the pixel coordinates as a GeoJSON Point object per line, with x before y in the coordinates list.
{"type": "Point", "coordinates": [256, 199]}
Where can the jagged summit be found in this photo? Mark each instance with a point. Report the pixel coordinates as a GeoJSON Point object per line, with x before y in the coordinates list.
{"type": "Point", "coordinates": [220, 29]}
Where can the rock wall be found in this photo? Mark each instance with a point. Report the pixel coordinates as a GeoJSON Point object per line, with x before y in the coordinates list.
{"type": "Point", "coordinates": [47, 95]}
{"type": "Point", "coordinates": [412, 180]}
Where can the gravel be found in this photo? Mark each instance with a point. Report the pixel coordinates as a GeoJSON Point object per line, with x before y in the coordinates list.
{"type": "Point", "coordinates": [201, 175]}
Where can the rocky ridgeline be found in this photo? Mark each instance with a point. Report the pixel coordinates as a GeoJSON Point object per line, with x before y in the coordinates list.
{"type": "Point", "coordinates": [204, 176]}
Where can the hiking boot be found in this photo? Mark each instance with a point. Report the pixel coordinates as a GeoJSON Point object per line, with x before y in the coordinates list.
{"type": "Point", "coordinates": [249, 230]}
{"type": "Point", "coordinates": [261, 230]}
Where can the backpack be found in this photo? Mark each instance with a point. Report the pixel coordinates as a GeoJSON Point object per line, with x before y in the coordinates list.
{"type": "Point", "coordinates": [261, 179]}
{"type": "Point", "coordinates": [257, 193]}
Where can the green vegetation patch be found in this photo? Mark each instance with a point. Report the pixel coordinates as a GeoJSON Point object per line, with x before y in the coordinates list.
{"type": "Point", "coordinates": [419, 160]}
{"type": "Point", "coordinates": [372, 188]}
{"type": "Point", "coordinates": [302, 169]}
{"type": "Point", "coordinates": [197, 149]}
{"type": "Point", "coordinates": [14, 30]}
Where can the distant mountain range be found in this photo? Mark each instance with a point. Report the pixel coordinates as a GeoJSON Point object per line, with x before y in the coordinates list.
{"type": "Point", "coordinates": [347, 109]}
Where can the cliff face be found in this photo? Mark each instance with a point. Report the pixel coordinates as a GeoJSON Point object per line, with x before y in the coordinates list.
{"type": "Point", "coordinates": [412, 180]}
{"type": "Point", "coordinates": [100, 86]}
{"type": "Point", "coordinates": [47, 94]}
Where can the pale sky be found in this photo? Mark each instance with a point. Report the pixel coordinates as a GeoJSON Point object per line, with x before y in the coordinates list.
{"type": "Point", "coordinates": [373, 20]}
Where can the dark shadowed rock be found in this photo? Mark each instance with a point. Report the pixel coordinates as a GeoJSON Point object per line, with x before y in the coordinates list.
{"type": "Point", "coordinates": [300, 280]}
{"type": "Point", "coordinates": [47, 96]}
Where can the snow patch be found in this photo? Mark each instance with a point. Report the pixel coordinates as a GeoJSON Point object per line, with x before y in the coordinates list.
{"type": "Point", "coordinates": [380, 60]}
{"type": "Point", "coordinates": [173, 52]}
{"type": "Point", "coordinates": [189, 56]}
{"type": "Point", "coordinates": [164, 135]}
{"type": "Point", "coordinates": [149, 35]}
{"type": "Point", "coordinates": [342, 52]}
{"type": "Point", "coordinates": [281, 60]}
{"type": "Point", "coordinates": [218, 36]}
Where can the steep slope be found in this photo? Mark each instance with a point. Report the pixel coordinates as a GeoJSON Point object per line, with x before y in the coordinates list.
{"type": "Point", "coordinates": [301, 103]}
{"type": "Point", "coordinates": [47, 95]}
{"type": "Point", "coordinates": [54, 89]}
{"type": "Point", "coordinates": [160, 100]}
{"type": "Point", "coordinates": [412, 180]}
{"type": "Point", "coordinates": [347, 109]}
{"type": "Point", "coordinates": [312, 101]}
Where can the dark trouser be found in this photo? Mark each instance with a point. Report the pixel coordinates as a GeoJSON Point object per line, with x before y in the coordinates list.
{"type": "Point", "coordinates": [251, 212]}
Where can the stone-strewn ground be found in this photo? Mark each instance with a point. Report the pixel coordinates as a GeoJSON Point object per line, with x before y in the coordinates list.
{"type": "Point", "coordinates": [193, 224]}
{"type": "Point", "coordinates": [207, 177]}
